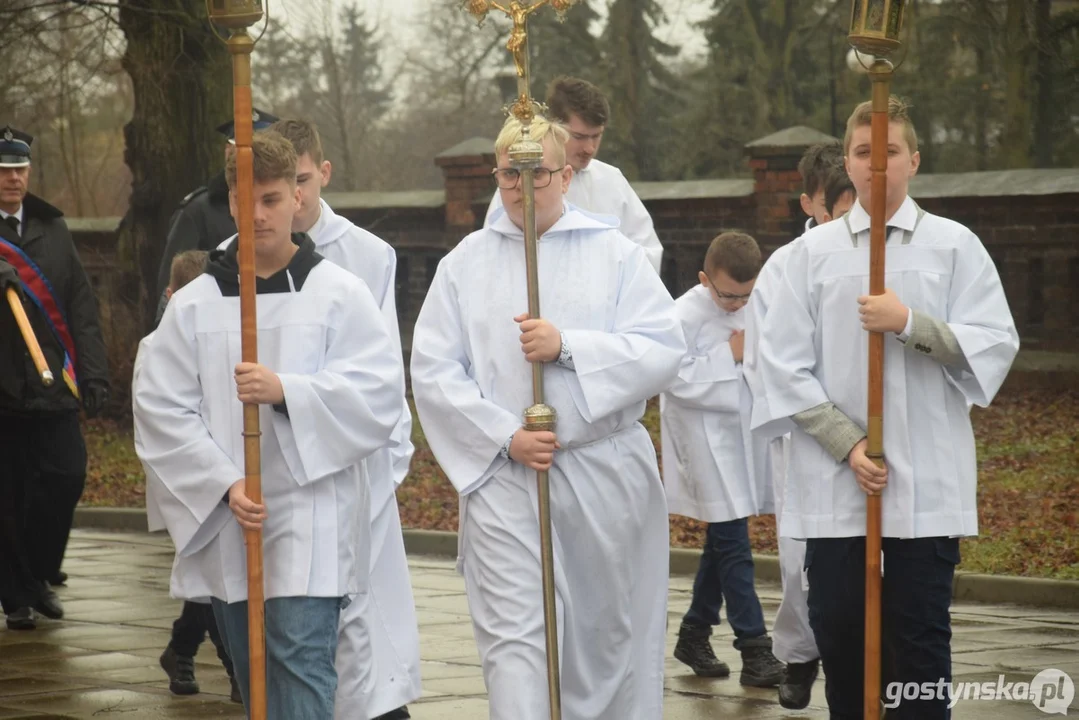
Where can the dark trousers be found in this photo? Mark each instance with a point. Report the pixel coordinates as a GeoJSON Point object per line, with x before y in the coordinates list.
{"type": "Point", "coordinates": [916, 633]}
{"type": "Point", "coordinates": [726, 572]}
{"type": "Point", "coordinates": [42, 474]}
{"type": "Point", "coordinates": [191, 628]}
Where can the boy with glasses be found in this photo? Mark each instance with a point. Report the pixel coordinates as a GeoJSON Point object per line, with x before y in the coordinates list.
{"type": "Point", "coordinates": [609, 341]}
{"type": "Point", "coordinates": [708, 462]}
{"type": "Point", "coordinates": [597, 187]}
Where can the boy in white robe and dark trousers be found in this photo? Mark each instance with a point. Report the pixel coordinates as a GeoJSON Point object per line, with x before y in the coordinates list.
{"type": "Point", "coordinates": [596, 187]}
{"type": "Point", "coordinates": [196, 619]}
{"type": "Point", "coordinates": [610, 340]}
{"type": "Point", "coordinates": [827, 192]}
{"type": "Point", "coordinates": [378, 652]}
{"type": "Point", "coordinates": [708, 468]}
{"type": "Point", "coordinates": [329, 384]}
{"type": "Point", "coordinates": [950, 342]}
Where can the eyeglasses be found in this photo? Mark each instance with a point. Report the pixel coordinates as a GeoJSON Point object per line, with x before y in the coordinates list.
{"type": "Point", "coordinates": [507, 178]}
{"type": "Point", "coordinates": [728, 297]}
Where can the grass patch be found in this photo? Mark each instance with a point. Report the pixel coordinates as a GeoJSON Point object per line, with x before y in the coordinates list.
{"type": "Point", "coordinates": [1028, 490]}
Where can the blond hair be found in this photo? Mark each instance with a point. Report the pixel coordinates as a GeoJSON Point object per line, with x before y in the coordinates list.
{"type": "Point", "coordinates": [898, 112]}
{"type": "Point", "coordinates": [186, 267]}
{"type": "Point", "coordinates": [274, 159]}
{"type": "Point", "coordinates": [539, 129]}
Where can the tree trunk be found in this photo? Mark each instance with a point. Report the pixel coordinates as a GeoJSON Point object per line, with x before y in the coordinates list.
{"type": "Point", "coordinates": [1043, 109]}
{"type": "Point", "coordinates": [182, 83]}
{"type": "Point", "coordinates": [981, 114]}
{"type": "Point", "coordinates": [1015, 140]}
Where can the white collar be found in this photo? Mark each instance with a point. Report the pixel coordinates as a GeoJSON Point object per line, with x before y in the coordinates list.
{"type": "Point", "coordinates": [572, 218]}
{"type": "Point", "coordinates": [905, 218]}
{"type": "Point", "coordinates": [18, 216]}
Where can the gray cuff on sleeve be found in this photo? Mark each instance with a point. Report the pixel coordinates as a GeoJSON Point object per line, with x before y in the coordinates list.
{"type": "Point", "coordinates": [933, 338]}
{"type": "Point", "coordinates": [505, 451]}
{"type": "Point", "coordinates": [835, 432]}
{"type": "Point", "coordinates": [565, 357]}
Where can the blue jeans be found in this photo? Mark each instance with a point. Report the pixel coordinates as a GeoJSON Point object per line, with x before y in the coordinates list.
{"type": "Point", "coordinates": [301, 643]}
{"type": "Point", "coordinates": [726, 572]}
{"type": "Point", "coordinates": [916, 632]}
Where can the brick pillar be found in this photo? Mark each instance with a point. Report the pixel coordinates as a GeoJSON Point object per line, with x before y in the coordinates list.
{"type": "Point", "coordinates": [467, 171]}
{"type": "Point", "coordinates": [777, 184]}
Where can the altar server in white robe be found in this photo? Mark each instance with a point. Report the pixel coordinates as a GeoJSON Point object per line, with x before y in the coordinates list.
{"type": "Point", "coordinates": [329, 384]}
{"type": "Point", "coordinates": [827, 193]}
{"type": "Point", "coordinates": [710, 472]}
{"type": "Point", "coordinates": [196, 618]}
{"type": "Point", "coordinates": [951, 340]}
{"type": "Point", "coordinates": [609, 340]}
{"type": "Point", "coordinates": [378, 652]}
{"type": "Point", "coordinates": [596, 186]}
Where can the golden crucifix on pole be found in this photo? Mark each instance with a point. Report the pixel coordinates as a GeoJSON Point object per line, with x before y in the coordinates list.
{"type": "Point", "coordinates": [526, 156]}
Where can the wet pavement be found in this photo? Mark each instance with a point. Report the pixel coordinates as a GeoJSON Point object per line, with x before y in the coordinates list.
{"type": "Point", "coordinates": [102, 660]}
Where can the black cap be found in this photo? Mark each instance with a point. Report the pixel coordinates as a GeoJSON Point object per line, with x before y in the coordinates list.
{"type": "Point", "coordinates": [260, 120]}
{"type": "Point", "coordinates": [14, 147]}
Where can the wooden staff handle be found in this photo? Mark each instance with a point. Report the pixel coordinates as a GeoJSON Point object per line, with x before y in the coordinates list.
{"type": "Point", "coordinates": [880, 74]}
{"type": "Point", "coordinates": [240, 45]}
{"type": "Point", "coordinates": [28, 336]}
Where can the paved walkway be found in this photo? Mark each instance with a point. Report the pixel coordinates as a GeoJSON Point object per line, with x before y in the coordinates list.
{"type": "Point", "coordinates": [101, 662]}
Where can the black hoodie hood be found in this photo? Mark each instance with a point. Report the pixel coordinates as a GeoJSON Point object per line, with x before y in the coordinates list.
{"type": "Point", "coordinates": [224, 267]}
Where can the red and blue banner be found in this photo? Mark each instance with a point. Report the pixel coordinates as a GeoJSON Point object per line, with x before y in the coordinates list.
{"type": "Point", "coordinates": [37, 287]}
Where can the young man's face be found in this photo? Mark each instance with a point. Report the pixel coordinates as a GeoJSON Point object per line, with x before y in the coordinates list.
{"type": "Point", "coordinates": [841, 206]}
{"type": "Point", "coordinates": [902, 164]}
{"type": "Point", "coordinates": [728, 294]}
{"type": "Point", "coordinates": [584, 142]}
{"type": "Point", "coordinates": [276, 204]}
{"type": "Point", "coordinates": [14, 182]}
{"type": "Point", "coordinates": [310, 179]}
{"type": "Point", "coordinates": [548, 199]}
{"type": "Point", "coordinates": [814, 206]}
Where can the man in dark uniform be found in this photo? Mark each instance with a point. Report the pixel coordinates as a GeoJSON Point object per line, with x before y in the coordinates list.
{"type": "Point", "coordinates": [44, 456]}
{"type": "Point", "coordinates": [203, 220]}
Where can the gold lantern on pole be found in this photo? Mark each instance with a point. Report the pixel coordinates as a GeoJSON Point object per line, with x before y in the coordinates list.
{"type": "Point", "coordinates": [237, 16]}
{"type": "Point", "coordinates": [875, 26]}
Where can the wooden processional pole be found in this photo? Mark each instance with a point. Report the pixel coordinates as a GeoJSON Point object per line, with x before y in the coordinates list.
{"type": "Point", "coordinates": [237, 16]}
{"type": "Point", "coordinates": [874, 31]}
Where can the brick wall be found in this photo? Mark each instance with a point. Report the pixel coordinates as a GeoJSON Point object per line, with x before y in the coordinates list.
{"type": "Point", "coordinates": [1028, 220]}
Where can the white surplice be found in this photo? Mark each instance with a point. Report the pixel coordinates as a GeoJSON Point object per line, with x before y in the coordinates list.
{"type": "Point", "coordinates": [381, 626]}
{"type": "Point", "coordinates": [792, 636]}
{"type": "Point", "coordinates": [154, 521]}
{"type": "Point", "coordinates": [710, 472]}
{"type": "Point", "coordinates": [342, 380]}
{"type": "Point", "coordinates": [814, 350]}
{"type": "Point", "coordinates": [610, 532]}
{"type": "Point", "coordinates": [603, 189]}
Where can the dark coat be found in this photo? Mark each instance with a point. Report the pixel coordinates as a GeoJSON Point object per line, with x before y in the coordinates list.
{"type": "Point", "coordinates": [47, 242]}
{"type": "Point", "coordinates": [202, 222]}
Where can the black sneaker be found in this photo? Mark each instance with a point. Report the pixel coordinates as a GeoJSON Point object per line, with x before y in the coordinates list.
{"type": "Point", "coordinates": [181, 672]}
{"type": "Point", "coordinates": [400, 713]}
{"type": "Point", "coordinates": [759, 666]}
{"type": "Point", "coordinates": [695, 650]}
{"type": "Point", "coordinates": [21, 619]}
{"type": "Point", "coordinates": [797, 687]}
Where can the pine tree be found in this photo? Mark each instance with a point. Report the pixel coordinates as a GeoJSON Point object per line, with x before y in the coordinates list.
{"type": "Point", "coordinates": [642, 90]}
